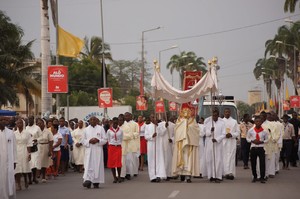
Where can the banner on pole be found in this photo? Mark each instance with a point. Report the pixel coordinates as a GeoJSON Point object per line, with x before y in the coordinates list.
{"type": "Point", "coordinates": [141, 103]}
{"type": "Point", "coordinates": [295, 101]}
{"type": "Point", "coordinates": [286, 105]}
{"type": "Point", "coordinates": [159, 106]}
{"type": "Point", "coordinates": [57, 79]}
{"type": "Point", "coordinates": [105, 97]}
{"type": "Point", "coordinates": [172, 106]}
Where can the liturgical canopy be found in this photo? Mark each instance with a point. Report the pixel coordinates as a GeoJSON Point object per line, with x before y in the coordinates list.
{"type": "Point", "coordinates": [162, 88]}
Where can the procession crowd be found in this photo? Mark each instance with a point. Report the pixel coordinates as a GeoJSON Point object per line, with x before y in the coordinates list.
{"type": "Point", "coordinates": [38, 150]}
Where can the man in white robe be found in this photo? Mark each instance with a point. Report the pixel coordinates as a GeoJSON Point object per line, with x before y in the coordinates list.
{"type": "Point", "coordinates": [185, 161]}
{"type": "Point", "coordinates": [156, 162]}
{"type": "Point", "coordinates": [202, 148]}
{"type": "Point", "coordinates": [167, 131]}
{"type": "Point", "coordinates": [229, 144]}
{"type": "Point", "coordinates": [93, 139]}
{"type": "Point", "coordinates": [8, 160]}
{"type": "Point", "coordinates": [35, 132]}
{"type": "Point", "coordinates": [131, 128]}
{"type": "Point", "coordinates": [214, 128]}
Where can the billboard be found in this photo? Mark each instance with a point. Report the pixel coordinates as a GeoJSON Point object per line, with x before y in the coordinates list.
{"type": "Point", "coordinates": [295, 101]}
{"type": "Point", "coordinates": [105, 97]}
{"type": "Point", "coordinates": [57, 79]}
{"type": "Point", "coordinates": [172, 106]}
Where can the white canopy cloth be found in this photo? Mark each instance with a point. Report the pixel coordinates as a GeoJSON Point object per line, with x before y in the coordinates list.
{"type": "Point", "coordinates": [163, 89]}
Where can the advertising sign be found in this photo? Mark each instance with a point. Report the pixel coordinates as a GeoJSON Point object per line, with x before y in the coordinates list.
{"type": "Point", "coordinates": [105, 97]}
{"type": "Point", "coordinates": [57, 79]}
{"type": "Point", "coordinates": [286, 105]}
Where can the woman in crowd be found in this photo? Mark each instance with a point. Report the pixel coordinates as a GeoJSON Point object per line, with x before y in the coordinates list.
{"type": "Point", "coordinates": [45, 143]}
{"type": "Point", "coordinates": [56, 153]}
{"type": "Point", "coordinates": [78, 149]}
{"type": "Point", "coordinates": [24, 142]}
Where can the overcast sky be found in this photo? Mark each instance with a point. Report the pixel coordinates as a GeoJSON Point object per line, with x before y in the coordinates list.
{"type": "Point", "coordinates": [233, 30]}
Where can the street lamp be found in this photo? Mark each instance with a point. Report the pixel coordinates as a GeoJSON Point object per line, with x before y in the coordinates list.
{"type": "Point", "coordinates": [159, 58]}
{"type": "Point", "coordinates": [295, 65]}
{"type": "Point", "coordinates": [143, 59]}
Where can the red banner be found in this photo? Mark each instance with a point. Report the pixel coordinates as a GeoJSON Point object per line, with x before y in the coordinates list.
{"type": "Point", "coordinates": [189, 80]}
{"type": "Point", "coordinates": [172, 106]}
{"type": "Point", "coordinates": [286, 105]}
{"type": "Point", "coordinates": [57, 79]}
{"type": "Point", "coordinates": [295, 101]}
{"type": "Point", "coordinates": [105, 97]}
{"type": "Point", "coordinates": [159, 106]}
{"type": "Point", "coordinates": [141, 103]}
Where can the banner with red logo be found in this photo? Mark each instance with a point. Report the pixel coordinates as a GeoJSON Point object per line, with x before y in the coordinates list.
{"type": "Point", "coordinates": [141, 103]}
{"type": "Point", "coordinates": [295, 101]}
{"type": "Point", "coordinates": [105, 97]}
{"type": "Point", "coordinates": [286, 105]}
{"type": "Point", "coordinates": [190, 79]}
{"type": "Point", "coordinates": [57, 79]}
{"type": "Point", "coordinates": [159, 106]}
{"type": "Point", "coordinates": [172, 106]}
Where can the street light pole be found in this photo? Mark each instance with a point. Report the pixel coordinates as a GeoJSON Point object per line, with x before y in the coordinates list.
{"type": "Point", "coordinates": [103, 58]}
{"type": "Point", "coordinates": [159, 58]}
{"type": "Point", "coordinates": [143, 59]}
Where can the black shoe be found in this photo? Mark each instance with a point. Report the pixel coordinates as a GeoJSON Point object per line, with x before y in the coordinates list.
{"type": "Point", "coordinates": [135, 175]}
{"type": "Point", "coordinates": [158, 179]}
{"type": "Point", "coordinates": [211, 179]}
{"type": "Point", "coordinates": [262, 181]}
{"type": "Point", "coordinates": [230, 177]}
{"type": "Point", "coordinates": [115, 181]}
{"type": "Point", "coordinates": [254, 180]}
{"type": "Point", "coordinates": [96, 185]}
{"type": "Point", "coordinates": [217, 180]}
{"type": "Point", "coordinates": [189, 181]}
{"type": "Point", "coordinates": [168, 178]}
{"type": "Point", "coordinates": [87, 184]}
{"type": "Point", "coordinates": [182, 178]}
{"type": "Point", "coordinates": [154, 180]}
{"type": "Point", "coordinates": [128, 177]}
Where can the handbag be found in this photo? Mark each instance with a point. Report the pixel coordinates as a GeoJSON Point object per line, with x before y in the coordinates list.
{"type": "Point", "coordinates": [34, 148]}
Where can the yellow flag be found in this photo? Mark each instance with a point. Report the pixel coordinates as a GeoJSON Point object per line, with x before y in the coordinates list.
{"type": "Point", "coordinates": [287, 96]}
{"type": "Point", "coordinates": [271, 103]}
{"type": "Point", "coordinates": [68, 44]}
{"type": "Point", "coordinates": [263, 106]}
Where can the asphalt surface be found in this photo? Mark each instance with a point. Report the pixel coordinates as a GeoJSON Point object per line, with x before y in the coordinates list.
{"type": "Point", "coordinates": [285, 185]}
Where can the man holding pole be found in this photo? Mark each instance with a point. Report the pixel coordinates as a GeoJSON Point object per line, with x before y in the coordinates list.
{"type": "Point", "coordinates": [214, 128]}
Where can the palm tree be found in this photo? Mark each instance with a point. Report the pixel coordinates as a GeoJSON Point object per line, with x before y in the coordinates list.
{"type": "Point", "coordinates": [290, 42]}
{"type": "Point", "coordinates": [92, 50]}
{"type": "Point", "coordinates": [290, 5]}
{"type": "Point", "coordinates": [14, 74]}
{"type": "Point", "coordinates": [186, 61]}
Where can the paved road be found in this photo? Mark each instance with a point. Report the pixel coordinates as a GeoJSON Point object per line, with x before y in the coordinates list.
{"type": "Point", "coordinates": [285, 185]}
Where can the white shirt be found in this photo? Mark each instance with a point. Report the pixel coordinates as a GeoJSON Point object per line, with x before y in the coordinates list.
{"type": "Point", "coordinates": [56, 137]}
{"type": "Point", "coordinates": [114, 136]}
{"type": "Point", "coordinates": [263, 137]}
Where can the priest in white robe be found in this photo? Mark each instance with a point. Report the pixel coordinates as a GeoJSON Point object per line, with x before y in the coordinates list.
{"type": "Point", "coordinates": [93, 139]}
{"type": "Point", "coordinates": [214, 128]}
{"type": "Point", "coordinates": [167, 131]}
{"type": "Point", "coordinates": [185, 160]}
{"type": "Point", "coordinates": [156, 162]}
{"type": "Point", "coordinates": [229, 144]}
{"type": "Point", "coordinates": [8, 160]}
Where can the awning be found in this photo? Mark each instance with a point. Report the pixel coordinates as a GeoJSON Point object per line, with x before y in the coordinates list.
{"type": "Point", "coordinates": [7, 113]}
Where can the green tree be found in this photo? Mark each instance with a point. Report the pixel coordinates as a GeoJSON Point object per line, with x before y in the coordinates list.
{"type": "Point", "coordinates": [290, 5]}
{"type": "Point", "coordinates": [186, 61]}
{"type": "Point", "coordinates": [15, 74]}
{"type": "Point", "coordinates": [244, 108]}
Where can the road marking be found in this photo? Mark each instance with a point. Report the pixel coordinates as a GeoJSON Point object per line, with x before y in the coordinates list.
{"type": "Point", "coordinates": [173, 194]}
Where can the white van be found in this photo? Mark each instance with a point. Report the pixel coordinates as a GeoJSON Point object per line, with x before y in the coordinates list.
{"type": "Point", "coordinates": [227, 102]}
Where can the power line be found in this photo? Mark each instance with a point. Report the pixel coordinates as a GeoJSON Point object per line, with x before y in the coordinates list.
{"type": "Point", "coordinates": [205, 34]}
